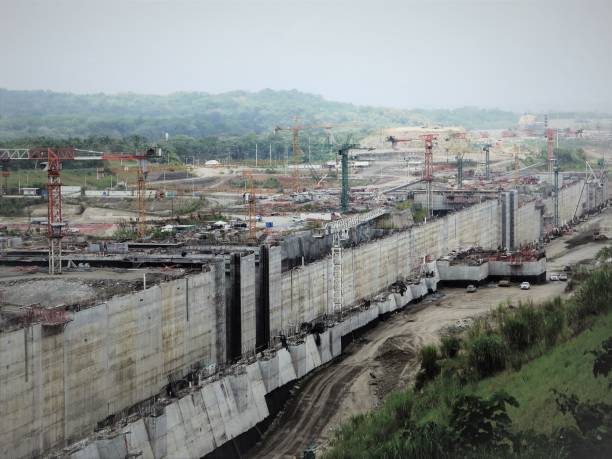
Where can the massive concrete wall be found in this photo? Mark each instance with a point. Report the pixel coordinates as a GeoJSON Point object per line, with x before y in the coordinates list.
{"type": "Point", "coordinates": [528, 224]}
{"type": "Point", "coordinates": [370, 268]}
{"type": "Point", "coordinates": [247, 304]}
{"type": "Point", "coordinates": [274, 291]}
{"type": "Point", "coordinates": [223, 407]}
{"type": "Point", "coordinates": [573, 198]}
{"type": "Point", "coordinates": [57, 383]}
{"type": "Point", "coordinates": [241, 302]}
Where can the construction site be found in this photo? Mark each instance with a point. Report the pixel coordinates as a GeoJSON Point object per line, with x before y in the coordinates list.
{"type": "Point", "coordinates": [245, 308]}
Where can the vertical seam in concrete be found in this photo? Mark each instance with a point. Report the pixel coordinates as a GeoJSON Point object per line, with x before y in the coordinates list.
{"type": "Point", "coordinates": [65, 385]}
{"type": "Point", "coordinates": [25, 351]}
{"type": "Point", "coordinates": [187, 298]}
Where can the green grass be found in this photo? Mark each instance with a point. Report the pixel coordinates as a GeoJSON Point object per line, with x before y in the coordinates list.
{"type": "Point", "coordinates": [32, 178]}
{"type": "Point", "coordinates": [565, 367]}
{"type": "Point", "coordinates": [544, 347]}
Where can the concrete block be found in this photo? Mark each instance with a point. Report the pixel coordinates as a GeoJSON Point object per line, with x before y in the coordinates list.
{"type": "Point", "coordinates": [89, 451]}
{"type": "Point", "coordinates": [138, 439]}
{"type": "Point", "coordinates": [176, 436]}
{"type": "Point", "coordinates": [258, 390]}
{"type": "Point", "coordinates": [325, 346]}
{"type": "Point", "coordinates": [248, 414]}
{"type": "Point", "coordinates": [217, 424]}
{"type": "Point", "coordinates": [336, 333]}
{"type": "Point", "coordinates": [372, 314]}
{"type": "Point", "coordinates": [286, 370]}
{"type": "Point", "coordinates": [392, 303]}
{"type": "Point", "coordinates": [383, 306]}
{"type": "Point", "coordinates": [112, 448]}
{"type": "Point", "coordinates": [228, 408]}
{"type": "Point", "coordinates": [157, 432]}
{"type": "Point", "coordinates": [402, 300]}
{"type": "Point", "coordinates": [268, 366]}
{"type": "Point", "coordinates": [313, 358]}
{"type": "Point", "coordinates": [198, 432]}
{"type": "Point", "coordinates": [298, 358]}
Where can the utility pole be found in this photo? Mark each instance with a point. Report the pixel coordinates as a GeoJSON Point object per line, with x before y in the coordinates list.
{"type": "Point", "coordinates": [345, 182]}
{"type": "Point", "coordinates": [459, 171]}
{"type": "Point", "coordinates": [556, 196]}
{"type": "Point", "coordinates": [487, 150]}
{"type": "Point", "coordinates": [550, 151]}
{"type": "Point", "coordinates": [255, 155]}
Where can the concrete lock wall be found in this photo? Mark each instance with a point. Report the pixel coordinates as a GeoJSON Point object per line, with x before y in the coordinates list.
{"type": "Point", "coordinates": [307, 291]}
{"type": "Point", "coordinates": [574, 198]}
{"type": "Point", "coordinates": [225, 406]}
{"type": "Point", "coordinates": [57, 383]}
{"type": "Point", "coordinates": [528, 224]}
{"type": "Point", "coordinates": [247, 304]}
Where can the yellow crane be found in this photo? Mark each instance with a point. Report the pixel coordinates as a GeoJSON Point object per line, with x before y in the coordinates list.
{"type": "Point", "coordinates": [297, 151]}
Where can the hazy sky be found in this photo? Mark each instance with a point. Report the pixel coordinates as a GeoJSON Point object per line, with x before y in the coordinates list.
{"type": "Point", "coordinates": [514, 54]}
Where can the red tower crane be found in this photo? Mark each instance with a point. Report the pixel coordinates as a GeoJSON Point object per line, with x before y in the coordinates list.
{"type": "Point", "coordinates": [550, 152]}
{"type": "Point", "coordinates": [428, 169]}
{"type": "Point", "coordinates": [52, 158]}
{"type": "Point", "coordinates": [427, 165]}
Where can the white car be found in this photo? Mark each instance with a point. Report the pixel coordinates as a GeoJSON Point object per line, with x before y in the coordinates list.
{"type": "Point", "coordinates": [525, 286]}
{"type": "Point", "coordinates": [554, 277]}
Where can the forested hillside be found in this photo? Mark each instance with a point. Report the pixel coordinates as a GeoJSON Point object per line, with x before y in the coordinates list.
{"type": "Point", "coordinates": [60, 115]}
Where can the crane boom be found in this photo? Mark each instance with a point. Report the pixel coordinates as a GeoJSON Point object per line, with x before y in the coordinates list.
{"type": "Point", "coordinates": [295, 141]}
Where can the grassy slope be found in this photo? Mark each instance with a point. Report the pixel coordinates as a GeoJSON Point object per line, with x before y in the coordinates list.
{"type": "Point", "coordinates": [566, 367]}
{"type": "Point", "coordinates": [70, 177]}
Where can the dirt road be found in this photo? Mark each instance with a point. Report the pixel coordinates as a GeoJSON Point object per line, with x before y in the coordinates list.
{"type": "Point", "coordinates": [384, 359]}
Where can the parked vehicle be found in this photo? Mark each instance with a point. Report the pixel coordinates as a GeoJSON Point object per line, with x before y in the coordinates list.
{"type": "Point", "coordinates": [562, 277]}
{"type": "Point", "coordinates": [525, 285]}
{"type": "Point", "coordinates": [470, 288]}
{"type": "Point", "coordinates": [554, 277]}
{"type": "Point", "coordinates": [503, 283]}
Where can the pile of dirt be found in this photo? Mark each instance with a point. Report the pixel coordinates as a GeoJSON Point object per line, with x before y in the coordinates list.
{"type": "Point", "coordinates": [392, 357]}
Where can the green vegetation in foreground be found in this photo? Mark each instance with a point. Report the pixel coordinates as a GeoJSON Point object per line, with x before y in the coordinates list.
{"type": "Point", "coordinates": [565, 368]}
{"type": "Point", "coordinates": [520, 385]}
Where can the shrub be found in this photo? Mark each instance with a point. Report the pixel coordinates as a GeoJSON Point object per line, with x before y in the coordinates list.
{"type": "Point", "coordinates": [487, 354]}
{"type": "Point", "coordinates": [554, 321]}
{"type": "Point", "coordinates": [429, 360]}
{"type": "Point", "coordinates": [450, 346]}
{"type": "Point", "coordinates": [524, 328]}
{"type": "Point", "coordinates": [429, 365]}
{"type": "Point", "coordinates": [516, 333]}
{"type": "Point", "coordinates": [594, 295]}
{"type": "Point", "coordinates": [478, 422]}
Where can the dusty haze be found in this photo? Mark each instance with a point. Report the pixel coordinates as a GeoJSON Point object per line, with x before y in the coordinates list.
{"type": "Point", "coordinates": [518, 55]}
